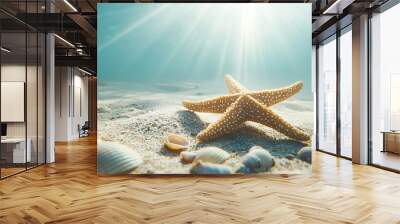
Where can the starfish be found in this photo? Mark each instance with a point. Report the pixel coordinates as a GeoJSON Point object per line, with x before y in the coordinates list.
{"type": "Point", "coordinates": [243, 106]}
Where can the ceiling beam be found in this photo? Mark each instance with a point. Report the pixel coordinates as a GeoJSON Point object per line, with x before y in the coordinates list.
{"type": "Point", "coordinates": [81, 61]}
{"type": "Point", "coordinates": [84, 24]}
{"type": "Point", "coordinates": [49, 22]}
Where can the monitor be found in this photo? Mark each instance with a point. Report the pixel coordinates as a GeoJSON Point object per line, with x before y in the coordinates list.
{"type": "Point", "coordinates": [3, 129]}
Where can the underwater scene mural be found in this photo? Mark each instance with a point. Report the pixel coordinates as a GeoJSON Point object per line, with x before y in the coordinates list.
{"type": "Point", "coordinates": [204, 88]}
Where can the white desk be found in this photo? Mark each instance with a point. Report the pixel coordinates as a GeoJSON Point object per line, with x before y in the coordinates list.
{"type": "Point", "coordinates": [18, 150]}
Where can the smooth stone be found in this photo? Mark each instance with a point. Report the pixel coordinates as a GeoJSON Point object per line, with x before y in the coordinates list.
{"type": "Point", "coordinates": [305, 154]}
{"type": "Point", "coordinates": [256, 160]}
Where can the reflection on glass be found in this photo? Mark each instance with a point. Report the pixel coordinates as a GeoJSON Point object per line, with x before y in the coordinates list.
{"type": "Point", "coordinates": [327, 96]}
{"type": "Point", "coordinates": [385, 86]}
{"type": "Point", "coordinates": [346, 94]}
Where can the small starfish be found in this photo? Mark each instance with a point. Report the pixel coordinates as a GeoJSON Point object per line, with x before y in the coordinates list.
{"type": "Point", "coordinates": [244, 106]}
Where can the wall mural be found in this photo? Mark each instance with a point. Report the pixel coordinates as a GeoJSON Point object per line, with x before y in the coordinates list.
{"type": "Point", "coordinates": [204, 88]}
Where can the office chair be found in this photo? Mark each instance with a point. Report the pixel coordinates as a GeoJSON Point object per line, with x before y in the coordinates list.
{"type": "Point", "coordinates": [84, 130]}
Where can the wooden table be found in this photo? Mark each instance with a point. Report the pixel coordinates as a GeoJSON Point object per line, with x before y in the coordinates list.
{"type": "Point", "coordinates": [391, 141]}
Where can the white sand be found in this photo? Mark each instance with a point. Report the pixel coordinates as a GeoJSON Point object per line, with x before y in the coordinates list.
{"type": "Point", "coordinates": [143, 120]}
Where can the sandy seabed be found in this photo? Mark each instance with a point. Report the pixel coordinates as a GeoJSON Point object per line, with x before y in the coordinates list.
{"type": "Point", "coordinates": [142, 119]}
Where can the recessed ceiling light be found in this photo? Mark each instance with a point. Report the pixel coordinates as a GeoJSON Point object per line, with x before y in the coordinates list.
{"type": "Point", "coordinates": [65, 41]}
{"type": "Point", "coordinates": [84, 71]}
{"type": "Point", "coordinates": [5, 50]}
{"type": "Point", "coordinates": [70, 5]}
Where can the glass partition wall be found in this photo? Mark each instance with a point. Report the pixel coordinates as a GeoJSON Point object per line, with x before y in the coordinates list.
{"type": "Point", "coordinates": [334, 83]}
{"type": "Point", "coordinates": [22, 78]}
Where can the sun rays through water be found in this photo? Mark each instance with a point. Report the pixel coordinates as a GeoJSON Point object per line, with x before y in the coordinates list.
{"type": "Point", "coordinates": [261, 45]}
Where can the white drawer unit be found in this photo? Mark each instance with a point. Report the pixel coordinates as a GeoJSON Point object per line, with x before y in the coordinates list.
{"type": "Point", "coordinates": [17, 147]}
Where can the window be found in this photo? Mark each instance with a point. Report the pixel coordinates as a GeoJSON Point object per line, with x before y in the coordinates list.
{"type": "Point", "coordinates": [346, 93]}
{"type": "Point", "coordinates": [327, 96]}
{"type": "Point", "coordinates": [385, 89]}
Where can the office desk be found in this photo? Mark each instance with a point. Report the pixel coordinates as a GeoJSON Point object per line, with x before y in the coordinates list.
{"type": "Point", "coordinates": [391, 141]}
{"type": "Point", "coordinates": [13, 150]}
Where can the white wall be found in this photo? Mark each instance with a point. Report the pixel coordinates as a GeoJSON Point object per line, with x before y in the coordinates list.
{"type": "Point", "coordinates": [70, 83]}
{"type": "Point", "coordinates": [81, 84]}
{"type": "Point", "coordinates": [62, 82]}
{"type": "Point", "coordinates": [12, 73]}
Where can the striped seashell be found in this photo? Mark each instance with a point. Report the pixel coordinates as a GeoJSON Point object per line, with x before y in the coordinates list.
{"type": "Point", "coordinates": [176, 143]}
{"type": "Point", "coordinates": [115, 158]}
{"type": "Point", "coordinates": [256, 160]}
{"type": "Point", "coordinates": [208, 154]}
{"type": "Point", "coordinates": [200, 167]}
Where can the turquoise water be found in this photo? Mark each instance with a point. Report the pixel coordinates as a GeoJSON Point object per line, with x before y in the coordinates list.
{"type": "Point", "coordinates": [260, 45]}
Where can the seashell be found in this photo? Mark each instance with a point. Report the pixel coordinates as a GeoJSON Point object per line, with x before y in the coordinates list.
{"type": "Point", "coordinates": [256, 160]}
{"type": "Point", "coordinates": [176, 142]}
{"type": "Point", "coordinates": [200, 167]}
{"type": "Point", "coordinates": [115, 158]}
{"type": "Point", "coordinates": [208, 154]}
{"type": "Point", "coordinates": [305, 154]}
{"type": "Point", "coordinates": [188, 157]}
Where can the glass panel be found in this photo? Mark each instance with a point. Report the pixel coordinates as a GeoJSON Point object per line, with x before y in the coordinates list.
{"type": "Point", "coordinates": [23, 90]}
{"type": "Point", "coordinates": [13, 89]}
{"type": "Point", "coordinates": [32, 88]}
{"type": "Point", "coordinates": [327, 96]}
{"type": "Point", "coordinates": [31, 98]}
{"type": "Point", "coordinates": [346, 94]}
{"type": "Point", "coordinates": [386, 89]}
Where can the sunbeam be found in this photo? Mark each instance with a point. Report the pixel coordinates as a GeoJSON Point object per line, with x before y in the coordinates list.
{"type": "Point", "coordinates": [133, 26]}
{"type": "Point", "coordinates": [256, 43]}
